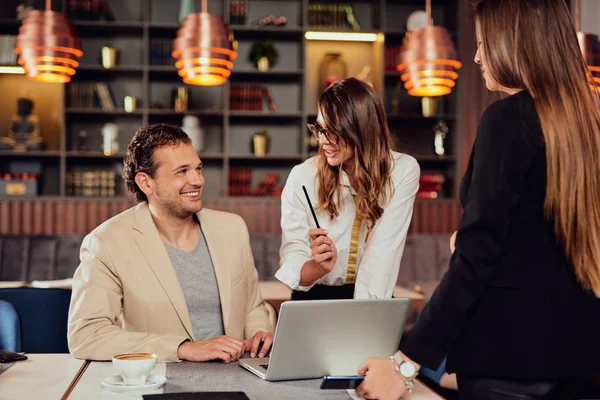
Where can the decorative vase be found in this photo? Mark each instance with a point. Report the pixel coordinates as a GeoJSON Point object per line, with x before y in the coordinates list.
{"type": "Point", "coordinates": [181, 99]}
{"type": "Point", "coordinates": [429, 106]}
{"type": "Point", "coordinates": [261, 143]}
{"type": "Point", "coordinates": [109, 57]}
{"type": "Point", "coordinates": [186, 7]}
{"type": "Point", "coordinates": [332, 68]}
{"type": "Point", "coordinates": [440, 129]}
{"type": "Point", "coordinates": [110, 142]}
{"type": "Point", "coordinates": [263, 64]}
{"type": "Point", "coordinates": [191, 126]}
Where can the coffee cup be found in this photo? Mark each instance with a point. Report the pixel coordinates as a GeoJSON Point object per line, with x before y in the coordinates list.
{"type": "Point", "coordinates": [134, 368]}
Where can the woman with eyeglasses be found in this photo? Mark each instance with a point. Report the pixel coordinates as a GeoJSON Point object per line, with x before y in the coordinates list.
{"type": "Point", "coordinates": [363, 193]}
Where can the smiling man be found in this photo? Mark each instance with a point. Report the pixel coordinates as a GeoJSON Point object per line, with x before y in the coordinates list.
{"type": "Point", "coordinates": [167, 276]}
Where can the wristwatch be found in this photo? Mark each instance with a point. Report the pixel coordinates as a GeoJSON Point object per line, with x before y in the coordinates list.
{"type": "Point", "coordinates": [405, 369]}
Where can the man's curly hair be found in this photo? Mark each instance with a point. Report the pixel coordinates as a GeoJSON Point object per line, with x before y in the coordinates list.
{"type": "Point", "coordinates": [140, 153]}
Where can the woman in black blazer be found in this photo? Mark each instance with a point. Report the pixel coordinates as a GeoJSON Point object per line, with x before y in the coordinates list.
{"type": "Point", "coordinates": [517, 314]}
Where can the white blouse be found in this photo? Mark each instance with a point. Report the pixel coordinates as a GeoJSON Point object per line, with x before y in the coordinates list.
{"type": "Point", "coordinates": [378, 260]}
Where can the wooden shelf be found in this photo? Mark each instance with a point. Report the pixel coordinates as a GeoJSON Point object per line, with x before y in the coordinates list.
{"type": "Point", "coordinates": [107, 28]}
{"type": "Point", "coordinates": [116, 69]}
{"type": "Point", "coordinates": [163, 68]}
{"type": "Point", "coordinates": [271, 75]}
{"type": "Point", "coordinates": [269, 28]}
{"type": "Point", "coordinates": [31, 154]}
{"type": "Point", "coordinates": [267, 157]}
{"type": "Point", "coordinates": [395, 33]}
{"type": "Point", "coordinates": [290, 81]}
{"type": "Point", "coordinates": [340, 30]}
{"type": "Point", "coordinates": [97, 155]}
{"type": "Point", "coordinates": [264, 114]}
{"type": "Point", "coordinates": [168, 112]}
{"type": "Point", "coordinates": [416, 117]}
{"type": "Point", "coordinates": [9, 23]}
{"type": "Point", "coordinates": [99, 111]}
{"type": "Point", "coordinates": [433, 157]}
{"type": "Point", "coordinates": [162, 25]}
{"type": "Point", "coordinates": [249, 32]}
{"type": "Point", "coordinates": [210, 156]}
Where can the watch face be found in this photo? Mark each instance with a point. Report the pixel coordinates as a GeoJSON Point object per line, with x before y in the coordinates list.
{"type": "Point", "coordinates": [407, 370]}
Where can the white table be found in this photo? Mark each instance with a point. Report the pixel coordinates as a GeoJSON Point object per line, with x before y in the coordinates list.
{"type": "Point", "coordinates": [47, 376]}
{"type": "Point", "coordinates": [41, 376]}
{"type": "Point", "coordinates": [90, 385]}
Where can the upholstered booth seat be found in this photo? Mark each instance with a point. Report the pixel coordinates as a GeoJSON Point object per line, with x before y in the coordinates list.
{"type": "Point", "coordinates": [43, 317]}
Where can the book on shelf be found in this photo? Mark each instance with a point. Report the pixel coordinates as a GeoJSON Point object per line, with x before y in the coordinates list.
{"type": "Point", "coordinates": [251, 97]}
{"type": "Point", "coordinates": [89, 10]}
{"type": "Point", "coordinates": [335, 16]}
{"type": "Point", "coordinates": [240, 180]}
{"type": "Point", "coordinates": [266, 185]}
{"type": "Point", "coordinates": [430, 186]}
{"type": "Point", "coordinates": [91, 183]}
{"type": "Point", "coordinates": [160, 52]}
{"type": "Point", "coordinates": [81, 95]}
{"type": "Point", "coordinates": [7, 56]}
{"type": "Point", "coordinates": [238, 9]}
{"type": "Point", "coordinates": [270, 102]}
{"type": "Point", "coordinates": [392, 58]}
{"type": "Point", "coordinates": [105, 96]}
{"type": "Point", "coordinates": [91, 95]}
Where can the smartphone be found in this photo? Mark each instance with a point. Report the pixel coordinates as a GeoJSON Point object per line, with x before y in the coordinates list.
{"type": "Point", "coordinates": [341, 382]}
{"type": "Point", "coordinates": [9, 356]}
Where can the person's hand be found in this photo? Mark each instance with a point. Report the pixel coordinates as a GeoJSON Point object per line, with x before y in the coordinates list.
{"type": "Point", "coordinates": [224, 348]}
{"type": "Point", "coordinates": [381, 381]}
{"type": "Point", "coordinates": [323, 250]}
{"type": "Point", "coordinates": [453, 241]}
{"type": "Point", "coordinates": [252, 344]}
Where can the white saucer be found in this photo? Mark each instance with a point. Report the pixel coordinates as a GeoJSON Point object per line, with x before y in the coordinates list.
{"type": "Point", "coordinates": [115, 384]}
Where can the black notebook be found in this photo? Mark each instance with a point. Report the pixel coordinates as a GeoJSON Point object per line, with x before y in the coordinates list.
{"type": "Point", "coordinates": [198, 396]}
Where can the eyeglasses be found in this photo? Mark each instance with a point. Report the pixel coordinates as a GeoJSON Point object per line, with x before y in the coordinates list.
{"type": "Point", "coordinates": [318, 131]}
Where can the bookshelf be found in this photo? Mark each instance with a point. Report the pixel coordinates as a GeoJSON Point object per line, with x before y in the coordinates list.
{"type": "Point", "coordinates": [293, 83]}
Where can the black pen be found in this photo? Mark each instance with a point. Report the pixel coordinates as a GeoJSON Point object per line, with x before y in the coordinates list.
{"type": "Point", "coordinates": [312, 210]}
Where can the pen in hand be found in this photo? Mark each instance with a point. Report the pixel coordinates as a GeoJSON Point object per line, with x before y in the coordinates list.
{"type": "Point", "coordinates": [312, 210]}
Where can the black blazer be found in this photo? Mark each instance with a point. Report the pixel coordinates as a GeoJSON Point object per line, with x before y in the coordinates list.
{"type": "Point", "coordinates": [509, 305]}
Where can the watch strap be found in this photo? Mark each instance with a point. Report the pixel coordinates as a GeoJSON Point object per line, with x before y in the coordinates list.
{"type": "Point", "coordinates": [408, 382]}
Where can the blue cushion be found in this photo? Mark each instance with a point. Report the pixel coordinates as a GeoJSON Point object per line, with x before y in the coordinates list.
{"type": "Point", "coordinates": [10, 328]}
{"type": "Point", "coordinates": [43, 314]}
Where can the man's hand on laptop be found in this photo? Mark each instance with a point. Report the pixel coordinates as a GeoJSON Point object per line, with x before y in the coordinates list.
{"type": "Point", "coordinates": [224, 348]}
{"type": "Point", "coordinates": [252, 344]}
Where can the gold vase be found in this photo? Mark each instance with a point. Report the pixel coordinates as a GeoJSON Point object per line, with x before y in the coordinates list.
{"type": "Point", "coordinates": [429, 106]}
{"type": "Point", "coordinates": [109, 57]}
{"type": "Point", "coordinates": [260, 143]}
{"type": "Point", "coordinates": [263, 64]}
{"type": "Point", "coordinates": [129, 104]}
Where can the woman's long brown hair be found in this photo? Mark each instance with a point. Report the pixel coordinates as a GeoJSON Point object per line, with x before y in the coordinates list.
{"type": "Point", "coordinates": [532, 45]}
{"type": "Point", "coordinates": [352, 110]}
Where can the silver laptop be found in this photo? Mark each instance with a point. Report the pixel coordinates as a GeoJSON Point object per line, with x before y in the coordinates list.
{"type": "Point", "coordinates": [316, 338]}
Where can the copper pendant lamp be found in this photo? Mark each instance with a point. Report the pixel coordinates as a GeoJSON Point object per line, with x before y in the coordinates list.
{"type": "Point", "coordinates": [204, 49]}
{"type": "Point", "coordinates": [428, 60]}
{"type": "Point", "coordinates": [47, 47]}
{"type": "Point", "coordinates": [590, 47]}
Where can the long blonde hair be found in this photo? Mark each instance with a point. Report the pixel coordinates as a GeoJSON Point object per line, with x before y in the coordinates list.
{"type": "Point", "coordinates": [532, 45]}
{"type": "Point", "coordinates": [352, 111]}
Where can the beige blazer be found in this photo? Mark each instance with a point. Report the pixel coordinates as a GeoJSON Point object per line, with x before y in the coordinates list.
{"type": "Point", "coordinates": [127, 297]}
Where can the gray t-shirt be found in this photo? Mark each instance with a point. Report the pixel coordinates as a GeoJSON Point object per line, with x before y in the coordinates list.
{"type": "Point", "coordinates": [199, 284]}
